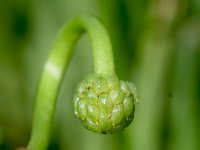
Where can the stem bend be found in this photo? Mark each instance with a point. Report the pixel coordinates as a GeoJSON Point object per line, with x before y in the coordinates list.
{"type": "Point", "coordinates": [55, 67]}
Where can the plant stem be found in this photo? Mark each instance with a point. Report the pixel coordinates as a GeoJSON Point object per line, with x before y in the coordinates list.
{"type": "Point", "coordinates": [55, 67]}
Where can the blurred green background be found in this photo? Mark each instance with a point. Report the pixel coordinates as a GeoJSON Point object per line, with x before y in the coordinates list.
{"type": "Point", "coordinates": [156, 45]}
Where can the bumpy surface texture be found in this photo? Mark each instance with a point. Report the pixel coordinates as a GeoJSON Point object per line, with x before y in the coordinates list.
{"type": "Point", "coordinates": [105, 104]}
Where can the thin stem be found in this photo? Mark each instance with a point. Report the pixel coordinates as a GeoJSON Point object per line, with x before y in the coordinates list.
{"type": "Point", "coordinates": [55, 68]}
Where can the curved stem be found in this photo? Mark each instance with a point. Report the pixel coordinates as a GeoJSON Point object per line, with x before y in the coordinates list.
{"type": "Point", "coordinates": [55, 68]}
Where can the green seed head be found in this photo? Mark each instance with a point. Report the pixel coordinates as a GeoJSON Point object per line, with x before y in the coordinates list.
{"type": "Point", "coordinates": [105, 104]}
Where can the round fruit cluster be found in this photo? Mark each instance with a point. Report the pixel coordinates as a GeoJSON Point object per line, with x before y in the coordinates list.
{"type": "Point", "coordinates": [104, 104]}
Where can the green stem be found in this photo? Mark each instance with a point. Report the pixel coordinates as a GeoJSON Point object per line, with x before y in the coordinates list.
{"type": "Point", "coordinates": [55, 68]}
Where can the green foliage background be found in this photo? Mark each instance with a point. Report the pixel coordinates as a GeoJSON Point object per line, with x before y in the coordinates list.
{"type": "Point", "coordinates": [156, 45]}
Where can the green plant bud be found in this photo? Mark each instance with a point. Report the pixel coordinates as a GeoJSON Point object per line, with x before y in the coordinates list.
{"type": "Point", "coordinates": [105, 104]}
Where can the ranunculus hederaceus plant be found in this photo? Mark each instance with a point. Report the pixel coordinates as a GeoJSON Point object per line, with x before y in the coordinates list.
{"type": "Point", "coordinates": [102, 102]}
